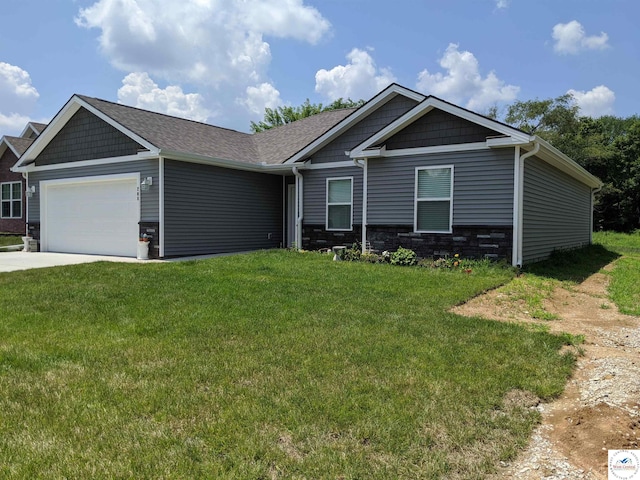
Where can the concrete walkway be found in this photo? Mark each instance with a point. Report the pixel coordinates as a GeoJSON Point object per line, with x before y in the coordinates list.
{"type": "Point", "coordinates": [12, 261]}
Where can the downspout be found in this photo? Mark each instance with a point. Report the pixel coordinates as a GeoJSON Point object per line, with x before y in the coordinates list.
{"type": "Point", "coordinates": [299, 206]}
{"type": "Point", "coordinates": [365, 170]}
{"type": "Point", "coordinates": [518, 202]}
{"type": "Point", "coordinates": [25, 175]}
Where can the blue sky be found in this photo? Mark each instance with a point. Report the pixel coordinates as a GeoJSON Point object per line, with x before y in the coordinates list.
{"type": "Point", "coordinates": [223, 62]}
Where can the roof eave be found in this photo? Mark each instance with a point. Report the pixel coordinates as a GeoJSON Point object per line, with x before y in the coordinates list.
{"type": "Point", "coordinates": [555, 157]}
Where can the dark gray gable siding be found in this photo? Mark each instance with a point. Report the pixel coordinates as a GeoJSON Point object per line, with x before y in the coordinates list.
{"type": "Point", "coordinates": [315, 193]}
{"type": "Point", "coordinates": [438, 128]}
{"type": "Point", "coordinates": [482, 187]}
{"type": "Point", "coordinates": [387, 113]}
{"type": "Point", "coordinates": [556, 211]}
{"type": "Point", "coordinates": [149, 210]}
{"type": "Point", "coordinates": [86, 137]}
{"type": "Point", "coordinates": [216, 210]}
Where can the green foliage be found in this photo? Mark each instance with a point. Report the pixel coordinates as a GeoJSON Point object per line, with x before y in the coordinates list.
{"type": "Point", "coordinates": [275, 117]}
{"type": "Point", "coordinates": [608, 147]}
{"type": "Point", "coordinates": [404, 256]}
{"type": "Point", "coordinates": [6, 240]}
{"type": "Point", "coordinates": [352, 253]}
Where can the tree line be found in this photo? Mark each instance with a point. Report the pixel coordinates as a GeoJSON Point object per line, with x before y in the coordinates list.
{"type": "Point", "coordinates": [608, 147]}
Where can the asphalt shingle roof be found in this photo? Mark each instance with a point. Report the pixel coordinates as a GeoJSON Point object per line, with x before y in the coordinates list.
{"type": "Point", "coordinates": [19, 144]}
{"type": "Point", "coordinates": [175, 134]}
{"type": "Point", "coordinates": [280, 143]}
{"type": "Point", "coordinates": [39, 126]}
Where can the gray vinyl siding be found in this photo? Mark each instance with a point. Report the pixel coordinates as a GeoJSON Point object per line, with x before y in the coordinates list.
{"type": "Point", "coordinates": [438, 128]}
{"type": "Point", "coordinates": [86, 137]}
{"type": "Point", "coordinates": [216, 210]}
{"type": "Point", "coordinates": [149, 203]}
{"type": "Point", "coordinates": [375, 121]}
{"type": "Point", "coordinates": [556, 211]}
{"type": "Point", "coordinates": [482, 187]}
{"type": "Point", "coordinates": [315, 193]}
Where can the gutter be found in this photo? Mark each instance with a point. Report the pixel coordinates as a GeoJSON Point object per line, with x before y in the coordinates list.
{"type": "Point", "coordinates": [299, 206]}
{"type": "Point", "coordinates": [518, 194]}
{"type": "Point", "coordinates": [364, 166]}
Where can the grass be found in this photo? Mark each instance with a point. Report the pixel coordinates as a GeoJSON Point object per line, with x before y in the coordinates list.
{"type": "Point", "coordinates": [266, 365]}
{"type": "Point", "coordinates": [7, 240]}
{"type": "Point", "coordinates": [625, 277]}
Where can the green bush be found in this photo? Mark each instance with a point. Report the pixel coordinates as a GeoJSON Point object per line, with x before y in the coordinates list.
{"type": "Point", "coordinates": [404, 256]}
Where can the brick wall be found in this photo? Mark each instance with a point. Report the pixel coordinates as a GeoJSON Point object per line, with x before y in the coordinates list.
{"type": "Point", "coordinates": [12, 225]}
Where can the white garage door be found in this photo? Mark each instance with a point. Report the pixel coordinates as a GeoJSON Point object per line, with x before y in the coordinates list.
{"type": "Point", "coordinates": [96, 217]}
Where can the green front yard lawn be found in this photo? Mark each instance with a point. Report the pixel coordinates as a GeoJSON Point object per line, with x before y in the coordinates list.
{"type": "Point", "coordinates": [267, 365]}
{"type": "Point", "coordinates": [6, 240]}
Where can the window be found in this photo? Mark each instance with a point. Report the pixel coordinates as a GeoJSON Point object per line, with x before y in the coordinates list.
{"type": "Point", "coordinates": [339, 203]}
{"type": "Point", "coordinates": [434, 199]}
{"type": "Point", "coordinates": [11, 198]}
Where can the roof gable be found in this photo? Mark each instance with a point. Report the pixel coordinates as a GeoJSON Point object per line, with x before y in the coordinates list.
{"type": "Point", "coordinates": [438, 127]}
{"type": "Point", "coordinates": [364, 111]}
{"type": "Point", "coordinates": [86, 137]}
{"type": "Point", "coordinates": [425, 107]}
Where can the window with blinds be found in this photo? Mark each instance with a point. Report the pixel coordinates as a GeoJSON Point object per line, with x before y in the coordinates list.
{"type": "Point", "coordinates": [434, 199]}
{"type": "Point", "coordinates": [339, 203]}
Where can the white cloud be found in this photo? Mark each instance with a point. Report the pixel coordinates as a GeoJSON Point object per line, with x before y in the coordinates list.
{"type": "Point", "coordinates": [596, 102]}
{"type": "Point", "coordinates": [463, 82]}
{"type": "Point", "coordinates": [571, 38]}
{"type": "Point", "coordinates": [208, 42]}
{"type": "Point", "coordinates": [260, 97]}
{"type": "Point", "coordinates": [502, 3]}
{"type": "Point", "coordinates": [139, 90]}
{"type": "Point", "coordinates": [360, 78]}
{"type": "Point", "coordinates": [17, 98]}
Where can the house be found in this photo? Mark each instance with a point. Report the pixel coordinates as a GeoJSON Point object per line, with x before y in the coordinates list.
{"type": "Point", "coordinates": [404, 169]}
{"type": "Point", "coordinates": [12, 192]}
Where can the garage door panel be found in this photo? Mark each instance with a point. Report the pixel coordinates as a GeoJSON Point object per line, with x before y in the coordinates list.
{"type": "Point", "coordinates": [99, 217]}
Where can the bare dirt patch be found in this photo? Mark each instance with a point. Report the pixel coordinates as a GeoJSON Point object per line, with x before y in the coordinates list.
{"type": "Point", "coordinates": [600, 408]}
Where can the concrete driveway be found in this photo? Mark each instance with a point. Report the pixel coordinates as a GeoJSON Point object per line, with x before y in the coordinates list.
{"type": "Point", "coordinates": [12, 261]}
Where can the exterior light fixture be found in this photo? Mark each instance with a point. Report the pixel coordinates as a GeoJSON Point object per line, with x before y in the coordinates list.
{"type": "Point", "coordinates": [30, 191]}
{"type": "Point", "coordinates": [146, 183]}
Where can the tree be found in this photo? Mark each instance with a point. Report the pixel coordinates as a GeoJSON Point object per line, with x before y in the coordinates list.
{"type": "Point", "coordinates": [275, 117]}
{"type": "Point", "coordinates": [608, 147]}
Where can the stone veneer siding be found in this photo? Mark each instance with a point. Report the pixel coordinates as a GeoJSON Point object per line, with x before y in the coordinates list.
{"type": "Point", "coordinates": [315, 237]}
{"type": "Point", "coordinates": [152, 230]}
{"type": "Point", "coordinates": [495, 242]}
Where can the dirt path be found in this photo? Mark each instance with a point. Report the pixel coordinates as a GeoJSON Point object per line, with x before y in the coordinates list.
{"type": "Point", "coordinates": [600, 408]}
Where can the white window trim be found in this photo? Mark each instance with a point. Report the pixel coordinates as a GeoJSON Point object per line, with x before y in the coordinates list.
{"type": "Point", "coordinates": [11, 200]}
{"type": "Point", "coordinates": [439, 199]}
{"type": "Point", "coordinates": [326, 222]}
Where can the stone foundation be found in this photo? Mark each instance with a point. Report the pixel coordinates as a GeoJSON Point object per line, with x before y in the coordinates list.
{"type": "Point", "coordinates": [468, 241]}
{"type": "Point", "coordinates": [315, 237]}
{"type": "Point", "coordinates": [152, 230]}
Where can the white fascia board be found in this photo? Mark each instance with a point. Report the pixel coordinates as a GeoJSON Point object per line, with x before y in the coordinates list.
{"type": "Point", "coordinates": [498, 142]}
{"type": "Point", "coordinates": [326, 165]}
{"type": "Point", "coordinates": [86, 163]}
{"type": "Point", "coordinates": [4, 144]}
{"type": "Point", "coordinates": [28, 127]}
{"type": "Point", "coordinates": [425, 107]}
{"type": "Point", "coordinates": [403, 152]}
{"type": "Point", "coordinates": [555, 157]}
{"type": "Point", "coordinates": [61, 119]}
{"type": "Point", "coordinates": [380, 99]}
{"type": "Point", "coordinates": [221, 162]}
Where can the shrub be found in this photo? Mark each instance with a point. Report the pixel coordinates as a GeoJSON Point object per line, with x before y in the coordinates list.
{"type": "Point", "coordinates": [372, 258]}
{"type": "Point", "coordinates": [352, 254]}
{"type": "Point", "coordinates": [404, 256]}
